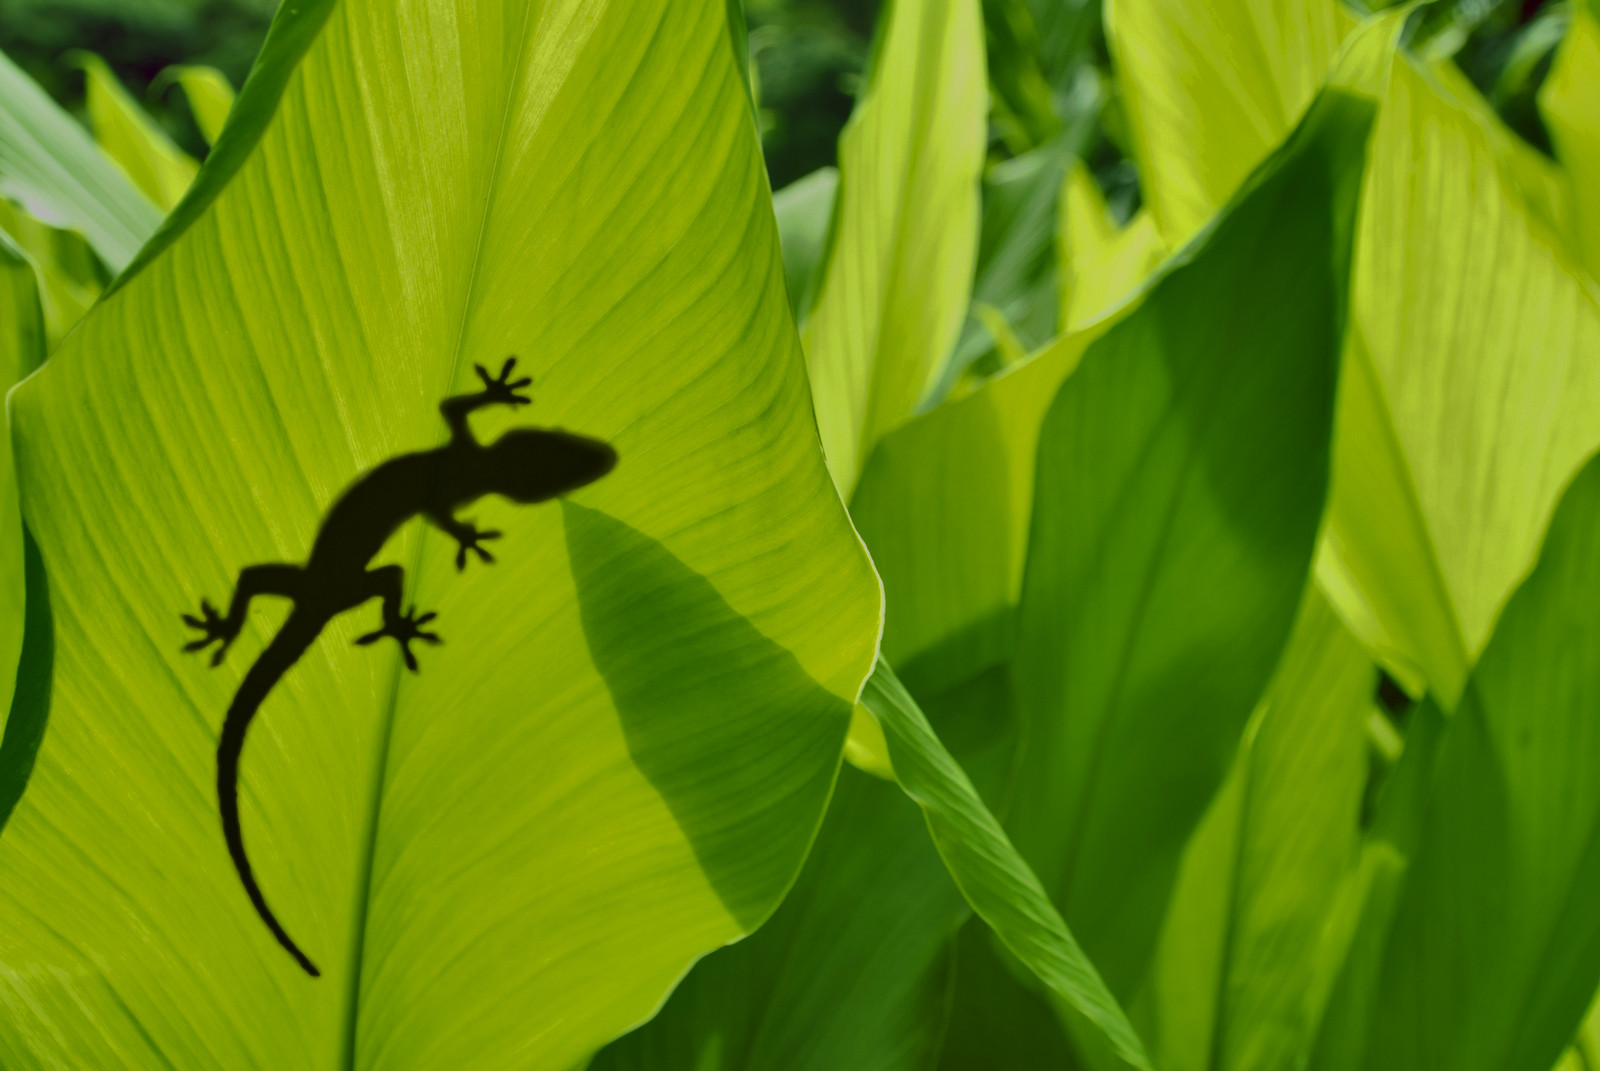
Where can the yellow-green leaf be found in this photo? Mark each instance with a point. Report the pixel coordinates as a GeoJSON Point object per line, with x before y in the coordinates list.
{"type": "Point", "coordinates": [894, 290]}
{"type": "Point", "coordinates": [1212, 88]}
{"type": "Point", "coordinates": [620, 755]}
{"type": "Point", "coordinates": [1099, 262]}
{"type": "Point", "coordinates": [1480, 337]}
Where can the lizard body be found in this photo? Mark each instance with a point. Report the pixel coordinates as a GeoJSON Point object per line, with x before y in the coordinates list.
{"type": "Point", "coordinates": [527, 465]}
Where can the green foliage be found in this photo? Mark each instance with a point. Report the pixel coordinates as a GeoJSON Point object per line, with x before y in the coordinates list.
{"type": "Point", "coordinates": [1201, 679]}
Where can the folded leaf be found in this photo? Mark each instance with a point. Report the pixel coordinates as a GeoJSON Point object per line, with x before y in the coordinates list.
{"type": "Point", "coordinates": [995, 879]}
{"type": "Point", "coordinates": [619, 756]}
{"type": "Point", "coordinates": [1180, 487]}
{"type": "Point", "coordinates": [1479, 334]}
{"type": "Point", "coordinates": [894, 290]}
{"type": "Point", "coordinates": [49, 166]}
{"type": "Point", "coordinates": [210, 96]}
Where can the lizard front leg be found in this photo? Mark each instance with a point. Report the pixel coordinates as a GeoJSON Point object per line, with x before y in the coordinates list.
{"type": "Point", "coordinates": [466, 535]}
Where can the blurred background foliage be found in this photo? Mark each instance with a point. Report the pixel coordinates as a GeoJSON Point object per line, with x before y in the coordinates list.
{"type": "Point", "coordinates": [1048, 62]}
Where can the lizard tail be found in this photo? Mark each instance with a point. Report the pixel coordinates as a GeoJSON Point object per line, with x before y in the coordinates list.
{"type": "Point", "coordinates": [284, 650]}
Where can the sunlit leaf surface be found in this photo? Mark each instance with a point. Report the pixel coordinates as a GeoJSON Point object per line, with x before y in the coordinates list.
{"type": "Point", "coordinates": [1212, 88]}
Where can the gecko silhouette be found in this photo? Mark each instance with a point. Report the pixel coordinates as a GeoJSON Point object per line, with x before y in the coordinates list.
{"type": "Point", "coordinates": [526, 465]}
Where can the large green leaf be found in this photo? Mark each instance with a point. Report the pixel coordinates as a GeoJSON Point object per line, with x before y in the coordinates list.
{"type": "Point", "coordinates": [160, 169]}
{"type": "Point", "coordinates": [894, 289]}
{"type": "Point", "coordinates": [1494, 951]}
{"type": "Point", "coordinates": [49, 165]}
{"type": "Point", "coordinates": [1567, 101]}
{"type": "Point", "coordinates": [1212, 88]}
{"type": "Point", "coordinates": [1180, 487]}
{"type": "Point", "coordinates": [619, 758]}
{"type": "Point", "coordinates": [1234, 984]}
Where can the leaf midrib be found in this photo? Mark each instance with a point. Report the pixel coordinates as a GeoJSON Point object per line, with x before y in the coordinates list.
{"type": "Point", "coordinates": [386, 713]}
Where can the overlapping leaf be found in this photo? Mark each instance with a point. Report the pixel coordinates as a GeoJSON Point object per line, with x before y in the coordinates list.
{"type": "Point", "coordinates": [1179, 492]}
{"type": "Point", "coordinates": [1493, 952]}
{"type": "Point", "coordinates": [619, 757]}
{"type": "Point", "coordinates": [1233, 986]}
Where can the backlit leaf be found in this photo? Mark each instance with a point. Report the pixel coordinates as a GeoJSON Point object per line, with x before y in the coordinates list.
{"type": "Point", "coordinates": [619, 757]}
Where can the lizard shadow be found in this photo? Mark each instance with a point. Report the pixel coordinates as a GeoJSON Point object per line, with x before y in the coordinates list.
{"type": "Point", "coordinates": [526, 465]}
{"type": "Point", "coordinates": [714, 713]}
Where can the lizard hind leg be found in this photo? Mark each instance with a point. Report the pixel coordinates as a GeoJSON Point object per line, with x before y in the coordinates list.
{"type": "Point", "coordinates": [254, 580]}
{"type": "Point", "coordinates": [386, 583]}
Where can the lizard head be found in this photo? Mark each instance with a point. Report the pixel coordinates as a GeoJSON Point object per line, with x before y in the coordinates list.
{"type": "Point", "coordinates": [537, 464]}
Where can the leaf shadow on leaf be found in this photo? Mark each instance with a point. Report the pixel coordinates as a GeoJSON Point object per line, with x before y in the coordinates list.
{"type": "Point", "coordinates": [688, 674]}
{"type": "Point", "coordinates": [30, 703]}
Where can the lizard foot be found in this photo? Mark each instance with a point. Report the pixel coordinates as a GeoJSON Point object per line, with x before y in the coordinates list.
{"type": "Point", "coordinates": [471, 539]}
{"type": "Point", "coordinates": [503, 389]}
{"type": "Point", "coordinates": [405, 628]}
{"type": "Point", "coordinates": [213, 628]}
